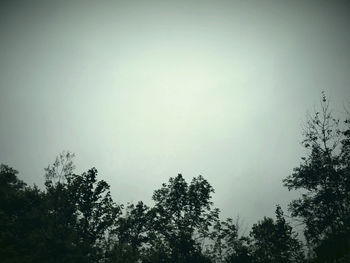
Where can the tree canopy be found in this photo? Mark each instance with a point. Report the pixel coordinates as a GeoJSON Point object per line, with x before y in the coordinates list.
{"type": "Point", "coordinates": [75, 219]}
{"type": "Point", "coordinates": [323, 175]}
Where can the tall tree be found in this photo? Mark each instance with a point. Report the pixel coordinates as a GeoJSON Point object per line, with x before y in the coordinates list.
{"type": "Point", "coordinates": [81, 209]}
{"type": "Point", "coordinates": [324, 178]}
{"type": "Point", "coordinates": [182, 216]}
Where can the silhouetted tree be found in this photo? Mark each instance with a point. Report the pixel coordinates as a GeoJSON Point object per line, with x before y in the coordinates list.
{"type": "Point", "coordinates": [21, 219]}
{"type": "Point", "coordinates": [81, 212]}
{"type": "Point", "coordinates": [226, 245]}
{"type": "Point", "coordinates": [324, 177]}
{"type": "Point", "coordinates": [131, 234]}
{"type": "Point", "coordinates": [275, 242]}
{"type": "Point", "coordinates": [181, 219]}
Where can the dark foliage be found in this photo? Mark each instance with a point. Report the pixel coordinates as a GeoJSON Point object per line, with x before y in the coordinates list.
{"type": "Point", "coordinates": [275, 242]}
{"type": "Point", "coordinates": [324, 177]}
{"type": "Point", "coordinates": [74, 219]}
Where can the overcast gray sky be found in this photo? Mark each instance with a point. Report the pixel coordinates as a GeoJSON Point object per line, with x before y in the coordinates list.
{"type": "Point", "coordinates": [143, 90]}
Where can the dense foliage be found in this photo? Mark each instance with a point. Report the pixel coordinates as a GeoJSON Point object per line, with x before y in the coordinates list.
{"type": "Point", "coordinates": [74, 219]}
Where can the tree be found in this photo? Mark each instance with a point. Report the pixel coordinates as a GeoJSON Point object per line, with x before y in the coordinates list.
{"type": "Point", "coordinates": [324, 178]}
{"type": "Point", "coordinates": [81, 210]}
{"type": "Point", "coordinates": [181, 219]}
{"type": "Point", "coordinates": [131, 234]}
{"type": "Point", "coordinates": [227, 246]}
{"type": "Point", "coordinates": [275, 241]}
{"type": "Point", "coordinates": [20, 219]}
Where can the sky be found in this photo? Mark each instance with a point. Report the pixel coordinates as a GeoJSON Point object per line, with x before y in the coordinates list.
{"type": "Point", "coordinates": [144, 90]}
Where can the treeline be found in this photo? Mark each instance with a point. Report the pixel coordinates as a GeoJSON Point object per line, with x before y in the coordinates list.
{"type": "Point", "coordinates": [74, 219]}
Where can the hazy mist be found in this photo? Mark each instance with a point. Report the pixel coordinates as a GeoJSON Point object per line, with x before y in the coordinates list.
{"type": "Point", "coordinates": [144, 90]}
